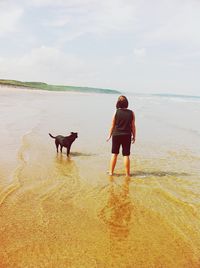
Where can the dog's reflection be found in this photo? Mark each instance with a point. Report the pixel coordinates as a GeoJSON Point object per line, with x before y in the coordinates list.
{"type": "Point", "coordinates": [117, 212]}
{"type": "Point", "coordinates": [65, 166]}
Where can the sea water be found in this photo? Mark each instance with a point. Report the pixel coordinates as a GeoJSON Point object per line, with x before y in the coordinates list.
{"type": "Point", "coordinates": [67, 212]}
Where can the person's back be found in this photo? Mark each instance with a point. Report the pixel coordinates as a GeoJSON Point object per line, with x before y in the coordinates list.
{"type": "Point", "coordinates": [123, 119]}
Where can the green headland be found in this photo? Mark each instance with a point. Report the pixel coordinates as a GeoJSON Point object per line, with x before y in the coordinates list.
{"type": "Point", "coordinates": [44, 86]}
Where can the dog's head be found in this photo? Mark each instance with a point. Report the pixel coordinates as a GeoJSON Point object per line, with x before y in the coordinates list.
{"type": "Point", "coordinates": [74, 134]}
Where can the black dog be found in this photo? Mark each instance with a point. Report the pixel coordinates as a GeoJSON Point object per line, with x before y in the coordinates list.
{"type": "Point", "coordinates": [65, 141]}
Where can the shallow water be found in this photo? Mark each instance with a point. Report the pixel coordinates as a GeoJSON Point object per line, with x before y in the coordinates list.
{"type": "Point", "coordinates": [66, 212]}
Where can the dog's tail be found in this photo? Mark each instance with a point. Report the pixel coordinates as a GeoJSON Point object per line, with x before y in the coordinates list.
{"type": "Point", "coordinates": [52, 136]}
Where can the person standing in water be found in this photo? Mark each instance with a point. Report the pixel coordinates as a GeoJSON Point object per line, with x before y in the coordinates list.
{"type": "Point", "coordinates": [122, 131]}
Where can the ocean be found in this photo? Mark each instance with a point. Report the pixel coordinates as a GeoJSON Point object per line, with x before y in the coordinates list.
{"type": "Point", "coordinates": [67, 212]}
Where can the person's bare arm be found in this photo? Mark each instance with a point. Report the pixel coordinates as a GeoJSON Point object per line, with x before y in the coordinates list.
{"type": "Point", "coordinates": [133, 129]}
{"type": "Point", "coordinates": [112, 128]}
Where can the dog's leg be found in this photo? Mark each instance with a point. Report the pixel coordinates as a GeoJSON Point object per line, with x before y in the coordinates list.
{"type": "Point", "coordinates": [68, 150]}
{"type": "Point", "coordinates": [61, 148]}
{"type": "Point", "coordinates": [57, 144]}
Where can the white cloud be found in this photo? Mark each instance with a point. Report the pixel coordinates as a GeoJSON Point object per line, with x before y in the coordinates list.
{"type": "Point", "coordinates": [9, 18]}
{"type": "Point", "coordinates": [150, 23]}
{"type": "Point", "coordinates": [140, 52]}
{"type": "Point", "coordinates": [62, 3]}
{"type": "Point", "coordinates": [176, 24]}
{"type": "Point", "coordinates": [45, 64]}
{"type": "Point", "coordinates": [58, 22]}
{"type": "Point", "coordinates": [90, 16]}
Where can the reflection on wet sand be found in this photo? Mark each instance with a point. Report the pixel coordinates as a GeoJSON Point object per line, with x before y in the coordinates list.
{"type": "Point", "coordinates": [64, 177]}
{"type": "Point", "coordinates": [139, 232]}
{"type": "Point", "coordinates": [117, 212]}
{"type": "Point", "coordinates": [65, 165]}
{"type": "Point", "coordinates": [117, 216]}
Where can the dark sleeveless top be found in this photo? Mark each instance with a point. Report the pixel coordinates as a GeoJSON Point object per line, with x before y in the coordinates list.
{"type": "Point", "coordinates": [123, 119]}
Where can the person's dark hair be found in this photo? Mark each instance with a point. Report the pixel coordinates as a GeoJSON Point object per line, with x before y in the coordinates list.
{"type": "Point", "coordinates": [122, 102]}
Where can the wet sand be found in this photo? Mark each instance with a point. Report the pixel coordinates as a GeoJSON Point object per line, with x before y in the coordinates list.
{"type": "Point", "coordinates": [66, 212]}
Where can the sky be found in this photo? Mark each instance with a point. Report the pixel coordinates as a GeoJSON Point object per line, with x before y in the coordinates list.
{"type": "Point", "coordinates": [143, 46]}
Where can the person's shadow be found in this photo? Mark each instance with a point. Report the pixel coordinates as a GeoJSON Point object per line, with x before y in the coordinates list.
{"type": "Point", "coordinates": [116, 214]}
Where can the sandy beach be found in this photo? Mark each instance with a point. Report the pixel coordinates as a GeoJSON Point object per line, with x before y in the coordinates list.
{"type": "Point", "coordinates": [67, 212]}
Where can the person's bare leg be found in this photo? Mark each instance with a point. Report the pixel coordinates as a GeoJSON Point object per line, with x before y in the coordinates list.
{"type": "Point", "coordinates": [113, 161]}
{"type": "Point", "coordinates": [127, 165]}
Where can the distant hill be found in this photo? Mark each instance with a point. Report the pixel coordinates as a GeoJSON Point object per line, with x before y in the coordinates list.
{"type": "Point", "coordinates": [44, 86]}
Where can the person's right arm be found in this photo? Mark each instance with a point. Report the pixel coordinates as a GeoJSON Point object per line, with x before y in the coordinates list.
{"type": "Point", "coordinates": [112, 128]}
{"type": "Point", "coordinates": [133, 129]}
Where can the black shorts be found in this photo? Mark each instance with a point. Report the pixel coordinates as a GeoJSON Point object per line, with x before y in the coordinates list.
{"type": "Point", "coordinates": [121, 140]}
